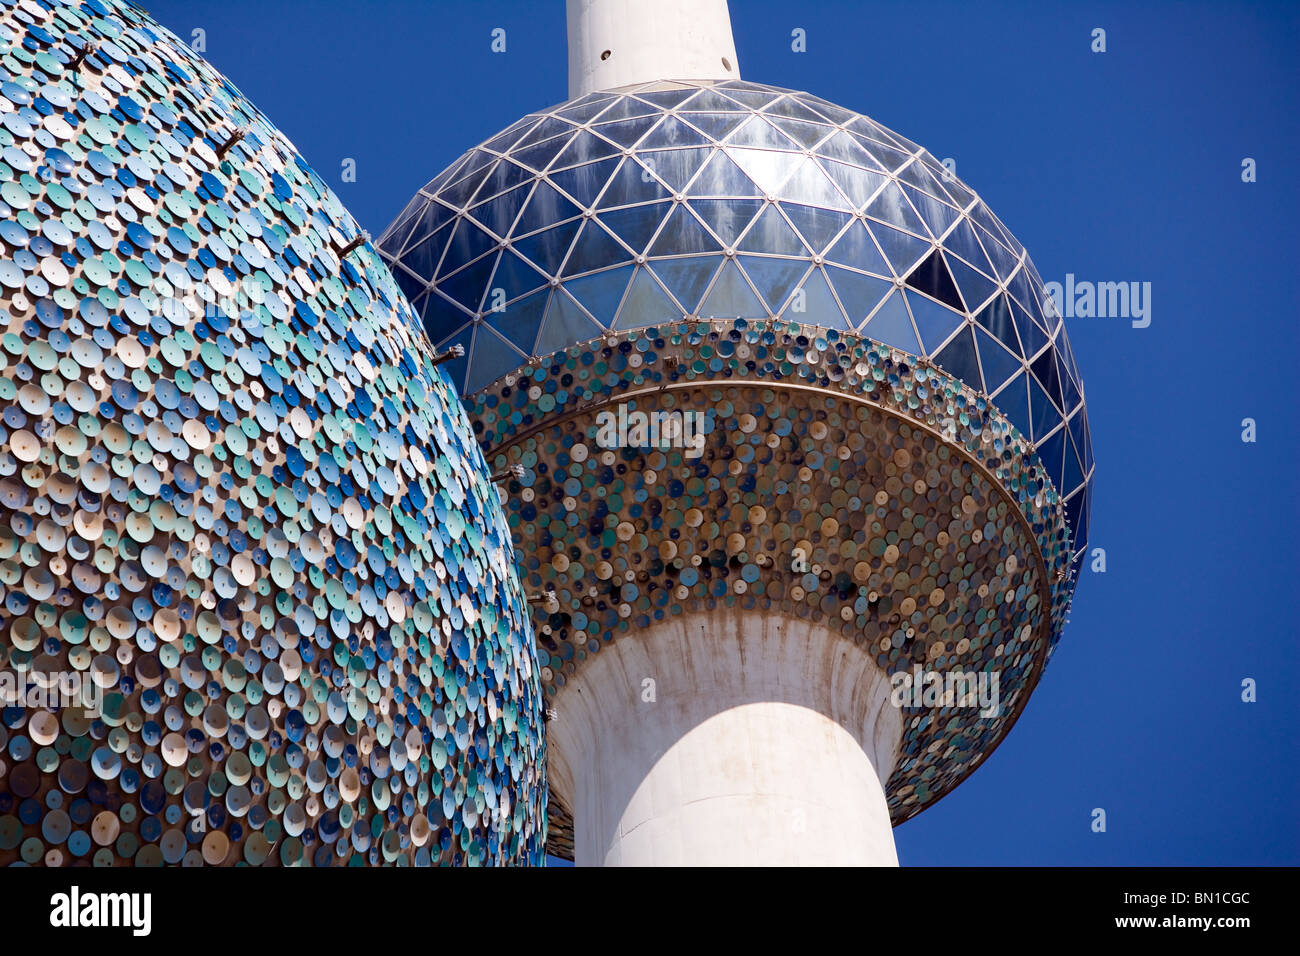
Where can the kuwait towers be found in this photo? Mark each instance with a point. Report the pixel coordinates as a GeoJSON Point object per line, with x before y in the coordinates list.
{"type": "Point", "coordinates": [801, 462]}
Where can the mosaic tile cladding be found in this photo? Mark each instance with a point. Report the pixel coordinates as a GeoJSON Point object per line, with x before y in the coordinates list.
{"type": "Point", "coordinates": [258, 598]}
{"type": "Point", "coordinates": [882, 380]}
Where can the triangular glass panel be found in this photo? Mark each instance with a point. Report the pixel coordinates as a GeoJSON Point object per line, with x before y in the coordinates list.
{"type": "Point", "coordinates": [584, 148]}
{"type": "Point", "coordinates": [789, 106]}
{"type": "Point", "coordinates": [667, 99]}
{"type": "Point", "coordinates": [468, 285]}
{"type": "Point", "coordinates": [835, 114]}
{"type": "Point", "coordinates": [626, 132]}
{"type": "Point", "coordinates": [459, 192]}
{"type": "Point", "coordinates": [812, 186]}
{"type": "Point", "coordinates": [595, 249]}
{"type": "Point", "coordinates": [996, 317]}
{"type": "Point", "coordinates": [1072, 473]}
{"type": "Point", "coordinates": [716, 125]}
{"type": "Point", "coordinates": [686, 279]}
{"type": "Point", "coordinates": [975, 286]}
{"type": "Point", "coordinates": [858, 250]}
{"type": "Point", "coordinates": [1013, 402]}
{"type": "Point", "coordinates": [441, 318]}
{"type": "Point", "coordinates": [468, 242]}
{"type": "Point", "coordinates": [709, 101]}
{"type": "Point", "coordinates": [601, 293]}
{"type": "Point", "coordinates": [1004, 263]}
{"type": "Point", "coordinates": [633, 183]}
{"type": "Point", "coordinates": [422, 258]}
{"type": "Point", "coordinates": [774, 279]}
{"type": "Point", "coordinates": [636, 224]}
{"type": "Point", "coordinates": [584, 183]}
{"type": "Point", "coordinates": [1031, 336]}
{"type": "Point", "coordinates": [931, 276]}
{"type": "Point", "coordinates": [807, 135]}
{"type": "Point", "coordinates": [546, 207]}
{"type": "Point", "coordinates": [893, 326]}
{"type": "Point", "coordinates": [1044, 369]}
{"type": "Point", "coordinates": [933, 321]}
{"type": "Point", "coordinates": [1051, 452]}
{"type": "Point", "coordinates": [755, 99]}
{"type": "Point", "coordinates": [731, 297]}
{"type": "Point", "coordinates": [998, 364]}
{"type": "Point", "coordinates": [768, 168]}
{"type": "Point", "coordinates": [499, 214]}
{"type": "Point", "coordinates": [1078, 432]}
{"type": "Point", "coordinates": [683, 235]}
{"type": "Point", "coordinates": [509, 136]}
{"type": "Point", "coordinates": [410, 285]}
{"type": "Point", "coordinates": [490, 357]}
{"type": "Point", "coordinates": [845, 149]}
{"type": "Point", "coordinates": [813, 304]}
{"type": "Point", "coordinates": [434, 215]}
{"type": "Point", "coordinates": [817, 226]}
{"type": "Point", "coordinates": [393, 241]}
{"type": "Point", "coordinates": [673, 132]}
{"type": "Point", "coordinates": [721, 177]}
{"type": "Point", "coordinates": [957, 358]}
{"type": "Point", "coordinates": [891, 206]}
{"type": "Point", "coordinates": [646, 304]}
{"type": "Point", "coordinates": [1046, 415]}
{"type": "Point", "coordinates": [505, 175]}
{"type": "Point", "coordinates": [858, 184]}
{"type": "Point", "coordinates": [545, 130]}
{"type": "Point", "coordinates": [888, 157]}
{"type": "Point", "coordinates": [938, 216]}
{"type": "Point", "coordinates": [675, 166]}
{"type": "Point", "coordinates": [759, 133]}
{"type": "Point", "coordinates": [901, 250]}
{"type": "Point", "coordinates": [566, 324]}
{"type": "Point", "coordinates": [513, 278]}
{"type": "Point", "coordinates": [584, 112]}
{"type": "Point", "coordinates": [546, 249]}
{"type": "Point", "coordinates": [858, 294]}
{"type": "Point", "coordinates": [540, 155]}
{"type": "Point", "coordinates": [771, 233]}
{"type": "Point", "coordinates": [962, 241]}
{"type": "Point", "coordinates": [520, 320]}
{"type": "Point", "coordinates": [727, 218]}
{"type": "Point", "coordinates": [1070, 396]}
{"type": "Point", "coordinates": [625, 107]}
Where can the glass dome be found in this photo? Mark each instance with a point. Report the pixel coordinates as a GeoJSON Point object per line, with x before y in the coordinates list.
{"type": "Point", "coordinates": [621, 210]}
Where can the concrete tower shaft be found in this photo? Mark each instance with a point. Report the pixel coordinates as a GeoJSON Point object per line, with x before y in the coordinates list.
{"type": "Point", "coordinates": [615, 43]}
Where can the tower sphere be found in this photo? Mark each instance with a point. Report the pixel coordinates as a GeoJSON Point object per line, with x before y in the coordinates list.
{"type": "Point", "coordinates": [861, 426]}
{"type": "Point", "coordinates": [257, 603]}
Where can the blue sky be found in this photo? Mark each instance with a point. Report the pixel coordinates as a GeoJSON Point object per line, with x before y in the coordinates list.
{"type": "Point", "coordinates": [1116, 166]}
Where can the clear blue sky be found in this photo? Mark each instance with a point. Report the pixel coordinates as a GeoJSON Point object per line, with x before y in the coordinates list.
{"type": "Point", "coordinates": [1122, 166]}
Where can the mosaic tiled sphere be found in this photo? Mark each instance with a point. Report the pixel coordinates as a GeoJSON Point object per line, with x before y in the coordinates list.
{"type": "Point", "coordinates": [258, 598]}
{"type": "Point", "coordinates": [622, 210]}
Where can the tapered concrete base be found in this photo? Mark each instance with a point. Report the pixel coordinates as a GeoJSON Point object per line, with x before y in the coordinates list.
{"type": "Point", "coordinates": [727, 738]}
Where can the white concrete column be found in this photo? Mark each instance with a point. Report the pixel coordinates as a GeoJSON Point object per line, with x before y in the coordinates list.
{"type": "Point", "coordinates": [727, 738]}
{"type": "Point", "coordinates": [614, 43]}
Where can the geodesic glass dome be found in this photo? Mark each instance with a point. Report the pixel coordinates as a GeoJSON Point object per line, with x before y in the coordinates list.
{"type": "Point", "coordinates": [735, 200]}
